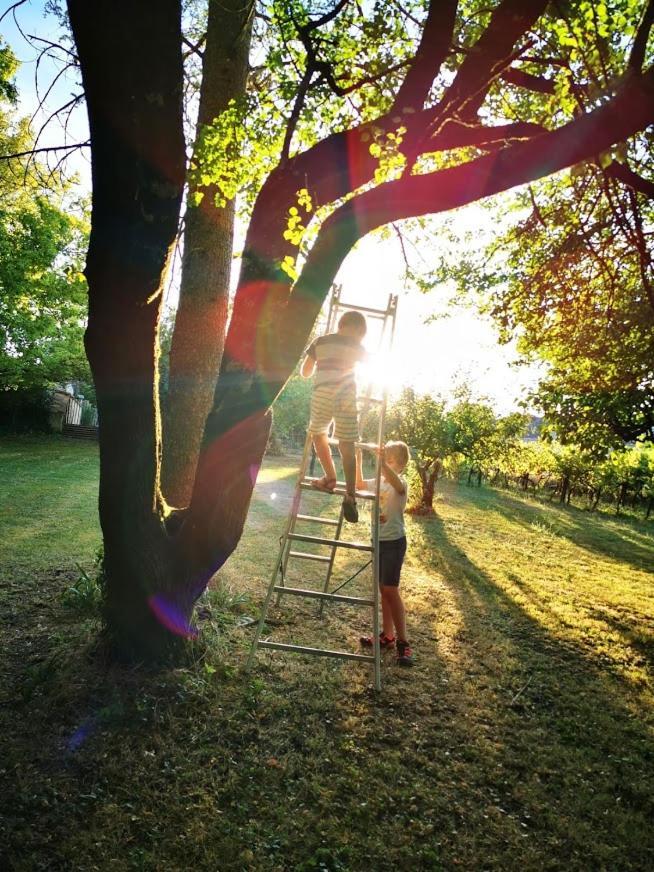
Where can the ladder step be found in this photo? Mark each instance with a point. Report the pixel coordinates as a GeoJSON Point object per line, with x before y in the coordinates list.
{"type": "Point", "coordinates": [339, 490]}
{"type": "Point", "coordinates": [319, 594]}
{"type": "Point", "coordinates": [381, 312]}
{"type": "Point", "coordinates": [321, 558]}
{"type": "Point", "coordinates": [330, 521]}
{"type": "Point", "coordinates": [333, 441]}
{"type": "Point", "coordinates": [335, 543]}
{"type": "Point", "coordinates": [324, 652]}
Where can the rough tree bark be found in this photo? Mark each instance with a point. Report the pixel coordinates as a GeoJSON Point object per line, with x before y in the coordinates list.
{"type": "Point", "coordinates": [134, 106]}
{"type": "Point", "coordinates": [201, 318]}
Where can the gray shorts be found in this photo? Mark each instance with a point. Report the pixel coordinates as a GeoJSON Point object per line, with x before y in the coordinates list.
{"type": "Point", "coordinates": [391, 558]}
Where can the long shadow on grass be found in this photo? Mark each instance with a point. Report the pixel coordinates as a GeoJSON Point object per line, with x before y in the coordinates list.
{"type": "Point", "coordinates": [573, 756]}
{"type": "Point", "coordinates": [594, 533]}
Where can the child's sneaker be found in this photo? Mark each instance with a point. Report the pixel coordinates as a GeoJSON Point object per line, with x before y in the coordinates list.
{"type": "Point", "coordinates": [384, 641]}
{"type": "Point", "coordinates": [404, 654]}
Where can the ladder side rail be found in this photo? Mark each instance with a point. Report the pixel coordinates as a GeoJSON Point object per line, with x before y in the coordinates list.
{"type": "Point", "coordinates": [295, 507]}
{"type": "Point", "coordinates": [334, 305]}
{"type": "Point", "coordinates": [282, 556]}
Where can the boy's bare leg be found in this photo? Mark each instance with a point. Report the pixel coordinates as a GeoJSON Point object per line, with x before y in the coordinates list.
{"type": "Point", "coordinates": [392, 602]}
{"type": "Point", "coordinates": [321, 444]}
{"type": "Point", "coordinates": [349, 465]}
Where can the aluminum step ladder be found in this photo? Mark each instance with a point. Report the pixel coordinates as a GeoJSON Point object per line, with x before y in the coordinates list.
{"type": "Point", "coordinates": [304, 483]}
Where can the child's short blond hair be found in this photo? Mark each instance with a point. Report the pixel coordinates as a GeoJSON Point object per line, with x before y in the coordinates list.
{"type": "Point", "coordinates": [399, 450]}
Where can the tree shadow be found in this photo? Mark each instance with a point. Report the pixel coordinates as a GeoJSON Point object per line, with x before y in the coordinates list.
{"type": "Point", "coordinates": [566, 741]}
{"type": "Point", "coordinates": [591, 532]}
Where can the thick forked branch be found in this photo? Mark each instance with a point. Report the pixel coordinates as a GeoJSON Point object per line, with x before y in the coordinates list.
{"type": "Point", "coordinates": [637, 56]}
{"type": "Point", "coordinates": [488, 57]}
{"type": "Point", "coordinates": [631, 110]}
{"type": "Point", "coordinates": [341, 163]}
{"type": "Point", "coordinates": [432, 51]}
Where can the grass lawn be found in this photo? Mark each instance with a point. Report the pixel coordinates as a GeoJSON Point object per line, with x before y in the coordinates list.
{"type": "Point", "coordinates": [522, 739]}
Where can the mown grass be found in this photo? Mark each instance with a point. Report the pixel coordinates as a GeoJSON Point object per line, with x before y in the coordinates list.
{"type": "Point", "coordinates": [522, 739]}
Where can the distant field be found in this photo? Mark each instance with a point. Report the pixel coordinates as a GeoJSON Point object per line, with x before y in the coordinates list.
{"type": "Point", "coordinates": [522, 739]}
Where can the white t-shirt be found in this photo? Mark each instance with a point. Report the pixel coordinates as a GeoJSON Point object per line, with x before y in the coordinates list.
{"type": "Point", "coordinates": [391, 508]}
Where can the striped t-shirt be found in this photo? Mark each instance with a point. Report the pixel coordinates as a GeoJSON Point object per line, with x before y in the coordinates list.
{"type": "Point", "coordinates": [336, 356]}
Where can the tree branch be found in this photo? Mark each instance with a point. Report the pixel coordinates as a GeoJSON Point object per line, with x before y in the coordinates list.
{"type": "Point", "coordinates": [432, 51]}
{"type": "Point", "coordinates": [194, 48]}
{"type": "Point", "coordinates": [488, 57]}
{"type": "Point", "coordinates": [630, 111]}
{"type": "Point", "coordinates": [624, 174]}
{"type": "Point", "coordinates": [55, 45]}
{"type": "Point", "coordinates": [491, 54]}
{"type": "Point", "coordinates": [637, 56]}
{"type": "Point", "coordinates": [527, 80]}
{"type": "Point", "coordinates": [324, 19]}
{"type": "Point", "coordinates": [327, 73]}
{"type": "Point", "coordinates": [11, 9]}
{"type": "Point", "coordinates": [34, 151]}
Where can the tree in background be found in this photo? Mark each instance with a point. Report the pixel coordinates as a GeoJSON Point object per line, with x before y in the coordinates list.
{"type": "Point", "coordinates": [422, 422]}
{"type": "Point", "coordinates": [468, 431]}
{"type": "Point", "coordinates": [366, 116]}
{"type": "Point", "coordinates": [572, 279]}
{"type": "Point", "coordinates": [481, 437]}
{"type": "Point", "coordinates": [292, 410]}
{"type": "Point", "coordinates": [43, 302]}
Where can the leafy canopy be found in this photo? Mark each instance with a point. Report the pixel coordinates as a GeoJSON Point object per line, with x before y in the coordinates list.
{"type": "Point", "coordinates": [42, 246]}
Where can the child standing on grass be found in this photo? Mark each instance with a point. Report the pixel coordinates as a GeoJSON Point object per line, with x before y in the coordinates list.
{"type": "Point", "coordinates": [392, 547]}
{"type": "Point", "coordinates": [333, 358]}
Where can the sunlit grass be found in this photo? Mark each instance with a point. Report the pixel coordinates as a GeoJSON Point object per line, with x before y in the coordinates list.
{"type": "Point", "coordinates": [522, 738]}
{"type": "Point", "coordinates": [48, 503]}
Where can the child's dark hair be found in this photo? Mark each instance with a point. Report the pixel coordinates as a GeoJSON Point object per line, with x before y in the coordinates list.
{"type": "Point", "coordinates": [354, 321]}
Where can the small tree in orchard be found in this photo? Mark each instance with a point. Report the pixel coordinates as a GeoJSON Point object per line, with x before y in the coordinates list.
{"type": "Point", "coordinates": [629, 472]}
{"type": "Point", "coordinates": [357, 116]}
{"type": "Point", "coordinates": [423, 423]}
{"type": "Point", "coordinates": [481, 437]}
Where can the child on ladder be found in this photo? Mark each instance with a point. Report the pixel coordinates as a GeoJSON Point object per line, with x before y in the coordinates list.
{"type": "Point", "coordinates": [392, 546]}
{"type": "Point", "coordinates": [333, 358]}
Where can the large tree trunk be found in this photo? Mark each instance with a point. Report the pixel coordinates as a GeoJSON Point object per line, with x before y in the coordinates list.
{"type": "Point", "coordinates": [198, 337]}
{"type": "Point", "coordinates": [135, 118]}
